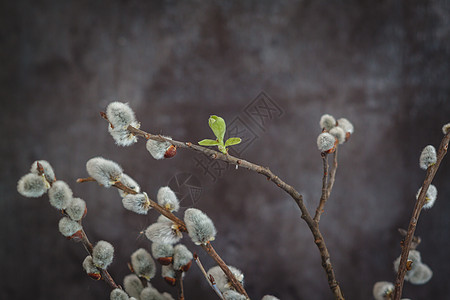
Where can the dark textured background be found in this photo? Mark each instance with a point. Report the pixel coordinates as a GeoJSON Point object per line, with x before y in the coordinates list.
{"type": "Point", "coordinates": [382, 64]}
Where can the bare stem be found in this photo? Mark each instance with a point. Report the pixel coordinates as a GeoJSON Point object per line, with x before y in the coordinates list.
{"type": "Point", "coordinates": [323, 197]}
{"type": "Point", "coordinates": [406, 244]}
{"type": "Point", "coordinates": [210, 279]}
{"type": "Point", "coordinates": [298, 198]}
{"type": "Point", "coordinates": [179, 283]}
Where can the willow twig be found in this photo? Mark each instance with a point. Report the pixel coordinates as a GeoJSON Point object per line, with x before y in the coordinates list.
{"type": "Point", "coordinates": [406, 243]}
{"type": "Point", "coordinates": [179, 283]}
{"type": "Point", "coordinates": [298, 198]}
{"type": "Point", "coordinates": [209, 278]}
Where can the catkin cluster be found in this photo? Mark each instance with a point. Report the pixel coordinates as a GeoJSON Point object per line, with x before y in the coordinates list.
{"type": "Point", "coordinates": [333, 133]}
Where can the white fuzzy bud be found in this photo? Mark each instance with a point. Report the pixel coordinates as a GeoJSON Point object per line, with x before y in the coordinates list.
{"type": "Point", "coordinates": [182, 258]}
{"type": "Point", "coordinates": [415, 261]}
{"type": "Point", "coordinates": [68, 227]}
{"type": "Point", "coordinates": [150, 293]}
{"type": "Point", "coordinates": [143, 264]}
{"type": "Point", "coordinates": [346, 125]}
{"type": "Point", "coordinates": [133, 285]}
{"type": "Point", "coordinates": [222, 282]}
{"type": "Point", "coordinates": [200, 227]}
{"type": "Point", "coordinates": [446, 128]}
{"type": "Point", "coordinates": [338, 133]}
{"type": "Point", "coordinates": [138, 203]}
{"type": "Point", "coordinates": [382, 290]}
{"type": "Point", "coordinates": [427, 157]}
{"type": "Point", "coordinates": [91, 269]}
{"type": "Point", "coordinates": [118, 294]}
{"type": "Point", "coordinates": [48, 170]}
{"type": "Point", "coordinates": [120, 115]}
{"type": "Point", "coordinates": [167, 199]}
{"type": "Point", "coordinates": [163, 232]}
{"type": "Point", "coordinates": [430, 197]}
{"type": "Point", "coordinates": [421, 275]}
{"type": "Point", "coordinates": [158, 149]}
{"type": "Point", "coordinates": [327, 122]}
{"type": "Point", "coordinates": [103, 254]}
{"type": "Point", "coordinates": [123, 137]}
{"type": "Point", "coordinates": [269, 297]}
{"type": "Point", "coordinates": [60, 195]}
{"type": "Point", "coordinates": [166, 296]}
{"type": "Point", "coordinates": [233, 295]}
{"type": "Point", "coordinates": [129, 183]}
{"type": "Point", "coordinates": [76, 209]}
{"type": "Point", "coordinates": [31, 185]}
{"type": "Point", "coordinates": [104, 171]}
{"type": "Point", "coordinates": [325, 141]}
{"type": "Point", "coordinates": [168, 272]}
{"type": "Point", "coordinates": [162, 250]}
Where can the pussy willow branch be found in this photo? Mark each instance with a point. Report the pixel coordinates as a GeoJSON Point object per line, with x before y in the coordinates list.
{"type": "Point", "coordinates": [298, 198]}
{"type": "Point", "coordinates": [179, 283]}
{"type": "Point", "coordinates": [182, 227]}
{"type": "Point", "coordinates": [327, 183]}
{"type": "Point", "coordinates": [406, 244]}
{"type": "Point", "coordinates": [85, 241]}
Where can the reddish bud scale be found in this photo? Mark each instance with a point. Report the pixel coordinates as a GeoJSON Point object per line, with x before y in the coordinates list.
{"type": "Point", "coordinates": [95, 276]}
{"type": "Point", "coordinates": [170, 152]}
{"type": "Point", "coordinates": [130, 267]}
{"type": "Point", "coordinates": [76, 237]}
{"type": "Point", "coordinates": [170, 280]}
{"type": "Point", "coordinates": [165, 261]}
{"type": "Point", "coordinates": [347, 136]}
{"type": "Point", "coordinates": [186, 267]}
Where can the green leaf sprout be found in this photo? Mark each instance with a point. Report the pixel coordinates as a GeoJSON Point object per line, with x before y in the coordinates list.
{"type": "Point", "coordinates": [219, 128]}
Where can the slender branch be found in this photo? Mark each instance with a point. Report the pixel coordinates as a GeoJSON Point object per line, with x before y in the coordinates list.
{"type": "Point", "coordinates": [406, 244]}
{"type": "Point", "coordinates": [298, 198]}
{"type": "Point", "coordinates": [179, 283]}
{"type": "Point", "coordinates": [182, 227]}
{"type": "Point", "coordinates": [210, 250]}
{"type": "Point", "coordinates": [323, 197]}
{"type": "Point", "coordinates": [332, 173]}
{"type": "Point", "coordinates": [210, 279]}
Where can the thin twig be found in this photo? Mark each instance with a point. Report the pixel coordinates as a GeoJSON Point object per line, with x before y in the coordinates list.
{"type": "Point", "coordinates": [298, 198]}
{"type": "Point", "coordinates": [179, 283]}
{"type": "Point", "coordinates": [323, 197]}
{"type": "Point", "coordinates": [210, 279]}
{"type": "Point", "coordinates": [406, 244]}
{"type": "Point", "coordinates": [332, 173]}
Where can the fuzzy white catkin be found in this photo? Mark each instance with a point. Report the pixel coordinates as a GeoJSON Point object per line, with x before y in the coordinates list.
{"type": "Point", "coordinates": [427, 157]}
{"type": "Point", "coordinates": [143, 264]}
{"type": "Point", "coordinates": [269, 297]}
{"type": "Point", "coordinates": [31, 185]}
{"type": "Point", "coordinates": [181, 257]}
{"type": "Point", "coordinates": [76, 209]}
{"type": "Point", "coordinates": [89, 267]}
{"type": "Point", "coordinates": [48, 170]}
{"type": "Point", "coordinates": [166, 296]}
{"type": "Point", "coordinates": [158, 149]}
{"type": "Point", "coordinates": [327, 122]}
{"type": "Point", "coordinates": [68, 227]}
{"type": "Point", "coordinates": [222, 282]}
{"type": "Point", "coordinates": [118, 294]}
{"type": "Point", "coordinates": [338, 133]}
{"type": "Point", "coordinates": [325, 141]}
{"type": "Point", "coordinates": [167, 199]}
{"type": "Point", "coordinates": [150, 293]}
{"type": "Point", "coordinates": [123, 137]}
{"type": "Point", "coordinates": [422, 275]}
{"type": "Point", "coordinates": [381, 289]}
{"type": "Point", "coordinates": [163, 233]}
{"type": "Point", "coordinates": [446, 128]}
{"type": "Point", "coordinates": [120, 114]}
{"type": "Point", "coordinates": [104, 171]}
{"type": "Point", "coordinates": [430, 197]}
{"type": "Point", "coordinates": [414, 257]}
{"type": "Point", "coordinates": [129, 183]}
{"type": "Point", "coordinates": [200, 227]}
{"type": "Point", "coordinates": [233, 295]}
{"type": "Point", "coordinates": [162, 250]}
{"type": "Point", "coordinates": [103, 254]}
{"type": "Point", "coordinates": [138, 203]}
{"type": "Point", "coordinates": [133, 285]}
{"type": "Point", "coordinates": [168, 271]}
{"type": "Point", "coordinates": [60, 195]}
{"type": "Point", "coordinates": [346, 125]}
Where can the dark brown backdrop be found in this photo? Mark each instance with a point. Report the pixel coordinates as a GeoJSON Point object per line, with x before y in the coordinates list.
{"type": "Point", "coordinates": [382, 64]}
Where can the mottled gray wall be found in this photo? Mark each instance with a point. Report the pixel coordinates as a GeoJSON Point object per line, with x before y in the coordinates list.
{"type": "Point", "coordinates": [382, 64]}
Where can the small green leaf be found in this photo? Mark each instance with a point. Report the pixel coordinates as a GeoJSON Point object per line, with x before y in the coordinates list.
{"type": "Point", "coordinates": [232, 141]}
{"type": "Point", "coordinates": [208, 142]}
{"type": "Point", "coordinates": [218, 126]}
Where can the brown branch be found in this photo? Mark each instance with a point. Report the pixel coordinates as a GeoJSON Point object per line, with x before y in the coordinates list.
{"type": "Point", "coordinates": [179, 283]}
{"type": "Point", "coordinates": [298, 198]}
{"type": "Point", "coordinates": [323, 197]}
{"type": "Point", "coordinates": [210, 279]}
{"type": "Point", "coordinates": [332, 173]}
{"type": "Point", "coordinates": [406, 244]}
